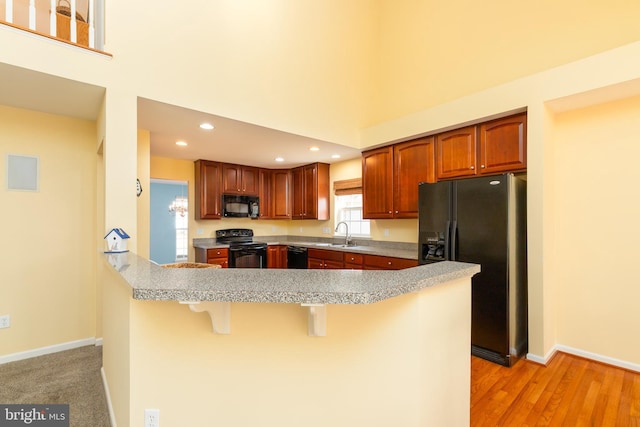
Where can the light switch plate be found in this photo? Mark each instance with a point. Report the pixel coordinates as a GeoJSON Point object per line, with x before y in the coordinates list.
{"type": "Point", "coordinates": [5, 321]}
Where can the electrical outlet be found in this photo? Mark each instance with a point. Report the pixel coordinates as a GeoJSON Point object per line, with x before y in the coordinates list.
{"type": "Point", "coordinates": [325, 230]}
{"type": "Point", "coordinates": [152, 418]}
{"type": "Point", "coordinates": [5, 321]}
{"type": "Point", "coordinates": [386, 232]}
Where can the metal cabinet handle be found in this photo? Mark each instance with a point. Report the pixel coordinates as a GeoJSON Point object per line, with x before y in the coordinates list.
{"type": "Point", "coordinates": [482, 166]}
{"type": "Point", "coordinates": [472, 167]}
{"type": "Point", "coordinates": [389, 263]}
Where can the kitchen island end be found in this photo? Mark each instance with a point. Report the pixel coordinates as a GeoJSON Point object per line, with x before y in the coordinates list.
{"type": "Point", "coordinates": [396, 350]}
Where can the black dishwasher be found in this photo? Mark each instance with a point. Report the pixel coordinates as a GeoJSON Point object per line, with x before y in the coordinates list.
{"type": "Point", "coordinates": [296, 257]}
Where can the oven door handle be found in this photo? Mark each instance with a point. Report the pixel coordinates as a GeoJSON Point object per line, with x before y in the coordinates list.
{"type": "Point", "coordinates": [247, 250]}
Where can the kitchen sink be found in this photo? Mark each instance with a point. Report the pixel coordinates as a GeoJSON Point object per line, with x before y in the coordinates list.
{"type": "Point", "coordinates": [335, 245]}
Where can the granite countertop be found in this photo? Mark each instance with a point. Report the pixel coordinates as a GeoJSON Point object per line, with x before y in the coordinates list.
{"type": "Point", "coordinates": [149, 281]}
{"type": "Point", "coordinates": [390, 249]}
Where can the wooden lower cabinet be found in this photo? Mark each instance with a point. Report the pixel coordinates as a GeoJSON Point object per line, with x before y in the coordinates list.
{"type": "Point", "coordinates": [218, 256]}
{"type": "Point", "coordinates": [377, 262]}
{"type": "Point", "coordinates": [353, 261]}
{"type": "Point", "coordinates": [324, 259]}
{"type": "Point", "coordinates": [277, 256]}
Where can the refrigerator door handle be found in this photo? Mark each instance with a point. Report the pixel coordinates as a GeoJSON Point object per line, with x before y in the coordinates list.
{"type": "Point", "coordinates": [447, 241]}
{"type": "Point", "coordinates": [454, 236]}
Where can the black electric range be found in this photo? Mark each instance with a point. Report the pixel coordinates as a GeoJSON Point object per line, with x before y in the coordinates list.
{"type": "Point", "coordinates": [243, 251]}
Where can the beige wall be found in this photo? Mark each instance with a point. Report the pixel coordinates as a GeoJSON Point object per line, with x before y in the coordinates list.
{"type": "Point", "coordinates": [377, 366]}
{"type": "Point", "coordinates": [433, 51]}
{"type": "Point", "coordinates": [48, 282]}
{"type": "Point", "coordinates": [144, 165]}
{"type": "Point", "coordinates": [596, 228]}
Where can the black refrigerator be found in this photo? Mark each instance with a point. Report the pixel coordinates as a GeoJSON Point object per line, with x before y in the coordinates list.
{"type": "Point", "coordinates": [483, 221]}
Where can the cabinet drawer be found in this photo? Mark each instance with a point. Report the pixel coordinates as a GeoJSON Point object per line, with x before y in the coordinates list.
{"type": "Point", "coordinates": [217, 253]}
{"type": "Point", "coordinates": [388, 263]}
{"type": "Point", "coordinates": [351, 258]}
{"type": "Point", "coordinates": [324, 254]}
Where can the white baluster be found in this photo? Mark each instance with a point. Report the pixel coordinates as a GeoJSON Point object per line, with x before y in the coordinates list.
{"type": "Point", "coordinates": [32, 15]}
{"type": "Point", "coordinates": [92, 30]}
{"type": "Point", "coordinates": [53, 24]}
{"type": "Point", "coordinates": [73, 27]}
{"type": "Point", "coordinates": [8, 10]}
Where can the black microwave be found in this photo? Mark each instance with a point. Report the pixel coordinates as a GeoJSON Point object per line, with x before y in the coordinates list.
{"type": "Point", "coordinates": [240, 206]}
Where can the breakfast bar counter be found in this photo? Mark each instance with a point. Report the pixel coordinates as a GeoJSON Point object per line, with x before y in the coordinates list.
{"type": "Point", "coordinates": [298, 347]}
{"type": "Point", "coordinates": [149, 281]}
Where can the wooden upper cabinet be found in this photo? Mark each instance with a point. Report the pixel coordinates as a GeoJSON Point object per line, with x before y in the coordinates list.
{"type": "Point", "coordinates": [503, 145]}
{"type": "Point", "coordinates": [377, 183]}
{"type": "Point", "coordinates": [489, 148]}
{"type": "Point", "coordinates": [297, 196]}
{"type": "Point", "coordinates": [456, 153]}
{"type": "Point", "coordinates": [390, 178]}
{"type": "Point", "coordinates": [413, 163]}
{"type": "Point", "coordinates": [237, 179]}
{"type": "Point", "coordinates": [281, 194]}
{"type": "Point", "coordinates": [207, 189]}
{"type": "Point", "coordinates": [264, 193]}
{"type": "Point", "coordinates": [310, 191]}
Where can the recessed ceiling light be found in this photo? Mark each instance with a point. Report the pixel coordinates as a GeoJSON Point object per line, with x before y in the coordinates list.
{"type": "Point", "coordinates": [314, 149]}
{"type": "Point", "coordinates": [181, 143]}
{"type": "Point", "coordinates": [206, 126]}
{"type": "Point", "coordinates": [335, 156]}
{"type": "Point", "coordinates": [279, 159]}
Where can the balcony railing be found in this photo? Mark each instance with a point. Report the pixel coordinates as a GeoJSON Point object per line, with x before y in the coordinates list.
{"type": "Point", "coordinates": [75, 21]}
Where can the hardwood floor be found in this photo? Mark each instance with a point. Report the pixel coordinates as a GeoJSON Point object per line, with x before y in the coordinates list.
{"type": "Point", "coordinates": [570, 391]}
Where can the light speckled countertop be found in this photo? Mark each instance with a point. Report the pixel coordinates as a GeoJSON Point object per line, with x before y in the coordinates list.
{"type": "Point", "coordinates": [363, 246]}
{"type": "Point", "coordinates": [149, 281]}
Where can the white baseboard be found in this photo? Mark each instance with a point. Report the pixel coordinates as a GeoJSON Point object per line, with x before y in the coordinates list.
{"type": "Point", "coordinates": [98, 342]}
{"type": "Point", "coordinates": [112, 414]}
{"type": "Point", "coordinates": [46, 350]}
{"type": "Point", "coordinates": [544, 360]}
{"type": "Point", "coordinates": [587, 355]}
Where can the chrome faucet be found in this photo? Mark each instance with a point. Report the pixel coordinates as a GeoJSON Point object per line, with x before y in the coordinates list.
{"type": "Point", "coordinates": [347, 238]}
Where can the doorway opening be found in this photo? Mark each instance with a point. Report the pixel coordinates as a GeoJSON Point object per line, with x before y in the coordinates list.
{"type": "Point", "coordinates": [169, 221]}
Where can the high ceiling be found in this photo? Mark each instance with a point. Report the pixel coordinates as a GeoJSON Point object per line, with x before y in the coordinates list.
{"type": "Point", "coordinates": [230, 141]}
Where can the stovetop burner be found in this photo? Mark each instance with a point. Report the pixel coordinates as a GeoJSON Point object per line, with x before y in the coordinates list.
{"type": "Point", "coordinates": [237, 237]}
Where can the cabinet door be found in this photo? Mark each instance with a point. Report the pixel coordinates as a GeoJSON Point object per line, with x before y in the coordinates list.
{"type": "Point", "coordinates": [297, 181]}
{"type": "Point", "coordinates": [317, 191]}
{"type": "Point", "coordinates": [456, 153]}
{"type": "Point", "coordinates": [265, 194]}
{"type": "Point", "coordinates": [503, 145]}
{"type": "Point", "coordinates": [281, 194]}
{"type": "Point", "coordinates": [272, 257]}
{"type": "Point", "coordinates": [231, 179]}
{"type": "Point", "coordinates": [315, 263]}
{"type": "Point", "coordinates": [207, 189]}
{"type": "Point", "coordinates": [250, 181]}
{"type": "Point", "coordinates": [310, 200]}
{"type": "Point", "coordinates": [377, 183]}
{"type": "Point", "coordinates": [282, 256]}
{"type": "Point", "coordinates": [413, 164]}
